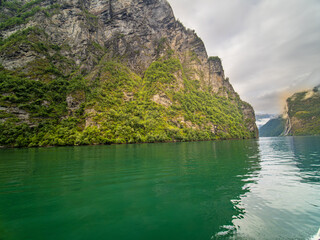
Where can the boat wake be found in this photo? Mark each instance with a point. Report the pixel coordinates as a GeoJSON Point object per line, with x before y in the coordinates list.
{"type": "Point", "coordinates": [317, 236]}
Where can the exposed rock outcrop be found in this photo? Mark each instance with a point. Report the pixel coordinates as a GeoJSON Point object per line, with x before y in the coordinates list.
{"type": "Point", "coordinates": [302, 113]}
{"type": "Point", "coordinates": [97, 59]}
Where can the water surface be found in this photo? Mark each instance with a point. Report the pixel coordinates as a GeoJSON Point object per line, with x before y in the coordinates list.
{"type": "Point", "coordinates": [249, 189]}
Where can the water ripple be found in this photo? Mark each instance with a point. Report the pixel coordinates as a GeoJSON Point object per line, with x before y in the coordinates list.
{"type": "Point", "coordinates": [265, 189]}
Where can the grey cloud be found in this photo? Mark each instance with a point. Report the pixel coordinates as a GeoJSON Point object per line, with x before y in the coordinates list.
{"type": "Point", "coordinates": [269, 48]}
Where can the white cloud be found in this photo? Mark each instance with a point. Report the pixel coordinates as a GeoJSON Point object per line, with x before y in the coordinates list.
{"type": "Point", "coordinates": [269, 47]}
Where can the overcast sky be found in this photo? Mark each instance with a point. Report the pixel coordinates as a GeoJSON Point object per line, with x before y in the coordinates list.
{"type": "Point", "coordinates": [269, 48]}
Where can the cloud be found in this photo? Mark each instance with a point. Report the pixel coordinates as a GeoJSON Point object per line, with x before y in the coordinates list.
{"type": "Point", "coordinates": [269, 48]}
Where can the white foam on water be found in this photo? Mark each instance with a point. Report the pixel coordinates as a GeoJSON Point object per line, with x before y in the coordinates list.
{"type": "Point", "coordinates": [316, 237]}
{"type": "Point", "coordinates": [227, 229]}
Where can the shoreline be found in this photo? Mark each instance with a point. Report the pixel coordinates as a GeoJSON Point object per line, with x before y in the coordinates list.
{"type": "Point", "coordinates": [227, 139]}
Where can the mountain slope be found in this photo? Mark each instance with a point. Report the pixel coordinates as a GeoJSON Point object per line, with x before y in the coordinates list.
{"type": "Point", "coordinates": [303, 113]}
{"type": "Point", "coordinates": [104, 71]}
{"type": "Point", "coordinates": [263, 118]}
{"type": "Point", "coordinates": [273, 128]}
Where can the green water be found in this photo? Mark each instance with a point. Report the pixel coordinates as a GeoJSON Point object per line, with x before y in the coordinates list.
{"type": "Point", "coordinates": [250, 189]}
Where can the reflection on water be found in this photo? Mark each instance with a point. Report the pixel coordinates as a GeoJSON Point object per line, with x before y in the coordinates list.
{"type": "Point", "coordinates": [284, 202]}
{"type": "Point", "coordinates": [307, 155]}
{"type": "Point", "coordinates": [265, 189]}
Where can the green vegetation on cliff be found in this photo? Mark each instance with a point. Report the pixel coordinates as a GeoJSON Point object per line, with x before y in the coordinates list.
{"type": "Point", "coordinates": [95, 88]}
{"type": "Point", "coordinates": [273, 128]}
{"type": "Point", "coordinates": [18, 13]}
{"type": "Point", "coordinates": [115, 107]}
{"type": "Point", "coordinates": [304, 113]}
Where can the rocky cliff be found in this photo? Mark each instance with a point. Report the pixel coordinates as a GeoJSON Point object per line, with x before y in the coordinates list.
{"type": "Point", "coordinates": [103, 71]}
{"type": "Point", "coordinates": [302, 113]}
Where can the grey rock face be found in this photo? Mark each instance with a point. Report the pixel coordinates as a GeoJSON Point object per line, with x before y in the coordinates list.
{"type": "Point", "coordinates": [129, 29]}
{"type": "Point", "coordinates": [136, 31]}
{"type": "Point", "coordinates": [250, 119]}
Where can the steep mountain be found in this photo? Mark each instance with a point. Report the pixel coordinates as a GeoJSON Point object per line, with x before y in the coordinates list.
{"type": "Point", "coordinates": [110, 71]}
{"type": "Point", "coordinates": [263, 118]}
{"type": "Point", "coordinates": [303, 113]}
{"type": "Point", "coordinates": [273, 128]}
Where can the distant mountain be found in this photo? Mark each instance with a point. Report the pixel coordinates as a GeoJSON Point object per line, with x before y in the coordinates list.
{"type": "Point", "coordinates": [273, 128]}
{"type": "Point", "coordinates": [301, 117]}
{"type": "Point", "coordinates": [263, 118]}
{"type": "Point", "coordinates": [303, 113]}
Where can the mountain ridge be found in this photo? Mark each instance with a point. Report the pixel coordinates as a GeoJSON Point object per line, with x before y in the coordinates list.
{"type": "Point", "coordinates": [302, 113]}
{"type": "Point", "coordinates": [75, 65]}
{"type": "Point", "coordinates": [273, 128]}
{"type": "Point", "coordinates": [301, 116]}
